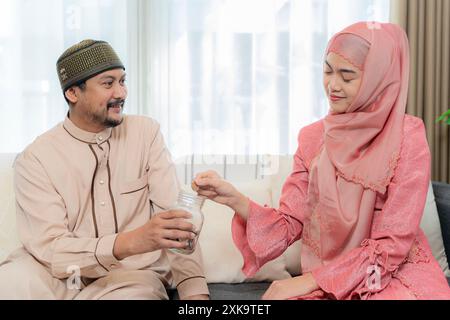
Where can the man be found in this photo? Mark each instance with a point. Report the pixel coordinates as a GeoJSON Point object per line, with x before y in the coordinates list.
{"type": "Point", "coordinates": [91, 196]}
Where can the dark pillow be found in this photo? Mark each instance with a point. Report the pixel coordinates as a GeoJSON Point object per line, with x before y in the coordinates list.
{"type": "Point", "coordinates": [442, 198]}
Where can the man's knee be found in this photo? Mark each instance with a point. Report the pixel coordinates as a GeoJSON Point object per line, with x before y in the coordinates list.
{"type": "Point", "coordinates": [25, 278]}
{"type": "Point", "coordinates": [126, 284]}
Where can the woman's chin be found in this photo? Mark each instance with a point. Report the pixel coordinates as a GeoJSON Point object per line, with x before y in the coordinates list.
{"type": "Point", "coordinates": [337, 108]}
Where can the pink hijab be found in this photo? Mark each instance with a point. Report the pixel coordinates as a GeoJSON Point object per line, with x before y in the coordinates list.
{"type": "Point", "coordinates": [361, 146]}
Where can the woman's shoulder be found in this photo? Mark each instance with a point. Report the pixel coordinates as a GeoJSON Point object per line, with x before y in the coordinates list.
{"type": "Point", "coordinates": [413, 124]}
{"type": "Point", "coordinates": [313, 129]}
{"type": "Point", "coordinates": [310, 139]}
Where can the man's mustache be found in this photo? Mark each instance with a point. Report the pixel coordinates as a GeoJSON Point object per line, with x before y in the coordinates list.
{"type": "Point", "coordinates": [118, 102]}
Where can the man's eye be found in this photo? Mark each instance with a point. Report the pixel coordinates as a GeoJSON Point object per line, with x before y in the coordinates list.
{"type": "Point", "coordinates": [108, 83]}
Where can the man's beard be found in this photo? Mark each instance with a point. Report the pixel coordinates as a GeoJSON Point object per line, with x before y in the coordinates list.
{"type": "Point", "coordinates": [103, 118]}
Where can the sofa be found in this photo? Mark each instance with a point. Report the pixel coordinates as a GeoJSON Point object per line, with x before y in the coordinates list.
{"type": "Point", "coordinates": [261, 178]}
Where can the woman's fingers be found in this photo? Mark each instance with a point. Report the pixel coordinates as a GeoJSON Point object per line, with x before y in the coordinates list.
{"type": "Point", "coordinates": [208, 183]}
{"type": "Point", "coordinates": [207, 193]}
{"type": "Point", "coordinates": [204, 177]}
{"type": "Point", "coordinates": [194, 186]}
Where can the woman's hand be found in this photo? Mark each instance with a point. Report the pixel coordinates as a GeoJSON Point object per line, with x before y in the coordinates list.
{"type": "Point", "coordinates": [292, 287]}
{"type": "Point", "coordinates": [211, 185]}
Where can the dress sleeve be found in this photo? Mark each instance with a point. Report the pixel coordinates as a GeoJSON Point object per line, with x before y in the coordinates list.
{"type": "Point", "coordinates": [268, 232]}
{"type": "Point", "coordinates": [368, 268]}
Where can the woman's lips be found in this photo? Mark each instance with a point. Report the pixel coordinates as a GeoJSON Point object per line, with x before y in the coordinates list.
{"type": "Point", "coordinates": [335, 98]}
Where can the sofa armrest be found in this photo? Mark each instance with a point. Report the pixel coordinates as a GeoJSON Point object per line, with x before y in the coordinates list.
{"type": "Point", "coordinates": [442, 198]}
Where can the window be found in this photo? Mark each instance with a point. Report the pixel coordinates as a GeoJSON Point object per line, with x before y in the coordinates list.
{"type": "Point", "coordinates": [221, 76]}
{"type": "Point", "coordinates": [242, 77]}
{"type": "Point", "coordinates": [32, 36]}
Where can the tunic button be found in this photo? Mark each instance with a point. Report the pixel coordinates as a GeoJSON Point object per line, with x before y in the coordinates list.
{"type": "Point", "coordinates": [102, 182]}
{"type": "Point", "coordinates": [102, 203]}
{"type": "Point", "coordinates": [100, 138]}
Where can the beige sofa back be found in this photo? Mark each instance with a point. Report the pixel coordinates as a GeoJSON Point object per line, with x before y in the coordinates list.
{"type": "Point", "coordinates": [259, 177]}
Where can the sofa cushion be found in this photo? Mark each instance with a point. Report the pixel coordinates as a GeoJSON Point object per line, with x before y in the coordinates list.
{"type": "Point", "coordinates": [221, 259]}
{"type": "Point", "coordinates": [8, 231]}
{"type": "Point", "coordinates": [442, 196]}
{"type": "Point", "coordinates": [432, 228]}
{"type": "Point", "coordinates": [235, 291]}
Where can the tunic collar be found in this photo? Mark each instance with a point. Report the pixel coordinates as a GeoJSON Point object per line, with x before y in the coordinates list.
{"type": "Point", "coordinates": [86, 136]}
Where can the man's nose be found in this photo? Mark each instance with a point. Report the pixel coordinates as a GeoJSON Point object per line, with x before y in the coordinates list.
{"type": "Point", "coordinates": [120, 91]}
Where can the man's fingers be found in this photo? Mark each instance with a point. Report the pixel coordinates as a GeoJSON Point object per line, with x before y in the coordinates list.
{"type": "Point", "coordinates": [175, 214]}
{"type": "Point", "coordinates": [179, 224]}
{"type": "Point", "coordinates": [178, 235]}
{"type": "Point", "coordinates": [169, 244]}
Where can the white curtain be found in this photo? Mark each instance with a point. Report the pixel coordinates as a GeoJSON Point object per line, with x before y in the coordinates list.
{"type": "Point", "coordinates": [32, 36]}
{"type": "Point", "coordinates": [242, 76]}
{"type": "Point", "coordinates": [221, 76]}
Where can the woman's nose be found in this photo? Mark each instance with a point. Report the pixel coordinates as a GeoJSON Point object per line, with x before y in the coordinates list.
{"type": "Point", "coordinates": [334, 85]}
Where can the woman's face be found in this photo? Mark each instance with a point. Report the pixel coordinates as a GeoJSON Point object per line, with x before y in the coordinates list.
{"type": "Point", "coordinates": [341, 80]}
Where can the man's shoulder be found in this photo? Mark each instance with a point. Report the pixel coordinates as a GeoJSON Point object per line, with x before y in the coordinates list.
{"type": "Point", "coordinates": [46, 140]}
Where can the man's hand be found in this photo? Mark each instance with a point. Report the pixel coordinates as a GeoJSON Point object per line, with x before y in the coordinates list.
{"type": "Point", "coordinates": [197, 297]}
{"type": "Point", "coordinates": [292, 287]}
{"type": "Point", "coordinates": [162, 231]}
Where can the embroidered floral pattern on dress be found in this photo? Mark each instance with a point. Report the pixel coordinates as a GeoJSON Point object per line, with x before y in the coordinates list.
{"type": "Point", "coordinates": [381, 185]}
{"type": "Point", "coordinates": [378, 256]}
{"type": "Point", "coordinates": [406, 270]}
{"type": "Point", "coordinates": [308, 241]}
{"type": "Point", "coordinates": [417, 254]}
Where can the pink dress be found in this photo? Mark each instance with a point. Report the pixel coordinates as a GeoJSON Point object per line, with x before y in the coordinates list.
{"type": "Point", "coordinates": [395, 262]}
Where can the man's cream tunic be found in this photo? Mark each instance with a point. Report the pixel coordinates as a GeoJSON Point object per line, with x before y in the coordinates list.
{"type": "Point", "coordinates": [76, 190]}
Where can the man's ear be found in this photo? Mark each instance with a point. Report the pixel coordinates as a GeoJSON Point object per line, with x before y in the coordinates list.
{"type": "Point", "coordinates": [71, 95]}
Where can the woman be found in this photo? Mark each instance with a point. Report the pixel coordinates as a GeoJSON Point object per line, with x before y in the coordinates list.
{"type": "Point", "coordinates": [358, 188]}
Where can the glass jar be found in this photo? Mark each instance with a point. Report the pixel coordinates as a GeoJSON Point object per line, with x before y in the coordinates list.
{"type": "Point", "coordinates": [193, 204]}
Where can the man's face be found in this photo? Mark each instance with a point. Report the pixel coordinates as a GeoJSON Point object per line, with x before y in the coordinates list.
{"type": "Point", "coordinates": [100, 104]}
